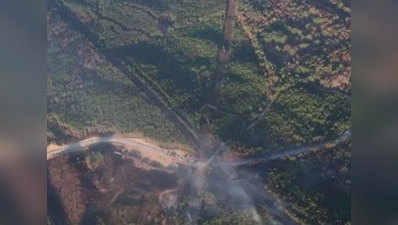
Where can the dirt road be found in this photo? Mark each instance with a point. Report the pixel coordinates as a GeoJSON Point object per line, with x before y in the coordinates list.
{"type": "Point", "coordinates": [148, 150]}
{"type": "Point", "coordinates": [178, 156]}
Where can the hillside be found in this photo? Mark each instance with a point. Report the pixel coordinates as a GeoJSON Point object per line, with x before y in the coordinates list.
{"type": "Point", "coordinates": [260, 76]}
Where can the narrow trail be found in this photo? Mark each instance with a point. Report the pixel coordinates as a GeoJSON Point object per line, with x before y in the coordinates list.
{"type": "Point", "coordinates": [251, 35]}
{"type": "Point", "coordinates": [293, 152]}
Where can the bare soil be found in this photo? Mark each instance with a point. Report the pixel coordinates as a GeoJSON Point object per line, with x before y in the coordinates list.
{"type": "Point", "coordinates": [117, 190]}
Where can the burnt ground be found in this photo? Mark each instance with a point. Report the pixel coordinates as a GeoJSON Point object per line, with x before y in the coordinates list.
{"type": "Point", "coordinates": [101, 187]}
{"type": "Point", "coordinates": [108, 185]}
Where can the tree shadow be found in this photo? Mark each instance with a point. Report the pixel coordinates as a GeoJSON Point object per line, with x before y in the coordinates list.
{"type": "Point", "coordinates": [170, 66]}
{"type": "Point", "coordinates": [209, 33]}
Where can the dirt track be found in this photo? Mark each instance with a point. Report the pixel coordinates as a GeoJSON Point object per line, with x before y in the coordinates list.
{"type": "Point", "coordinates": [169, 157]}
{"type": "Point", "coordinates": [148, 150]}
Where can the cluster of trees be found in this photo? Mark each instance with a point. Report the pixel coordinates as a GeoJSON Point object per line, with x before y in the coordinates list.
{"type": "Point", "coordinates": [271, 81]}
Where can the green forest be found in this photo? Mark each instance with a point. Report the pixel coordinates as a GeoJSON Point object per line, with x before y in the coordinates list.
{"type": "Point", "coordinates": [263, 76]}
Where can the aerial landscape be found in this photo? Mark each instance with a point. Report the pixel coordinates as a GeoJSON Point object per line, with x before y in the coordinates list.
{"type": "Point", "coordinates": [199, 112]}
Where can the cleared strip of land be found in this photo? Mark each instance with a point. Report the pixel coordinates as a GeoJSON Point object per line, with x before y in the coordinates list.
{"type": "Point", "coordinates": [168, 156]}
{"type": "Point", "coordinates": [148, 150]}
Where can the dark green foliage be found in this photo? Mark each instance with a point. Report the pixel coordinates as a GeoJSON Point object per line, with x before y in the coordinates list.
{"type": "Point", "coordinates": [317, 186]}
{"type": "Point", "coordinates": [180, 63]}
{"type": "Point", "coordinates": [287, 84]}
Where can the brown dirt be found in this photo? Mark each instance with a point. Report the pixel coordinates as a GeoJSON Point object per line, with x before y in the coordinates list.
{"type": "Point", "coordinates": [115, 191]}
{"type": "Point", "coordinates": [65, 180]}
